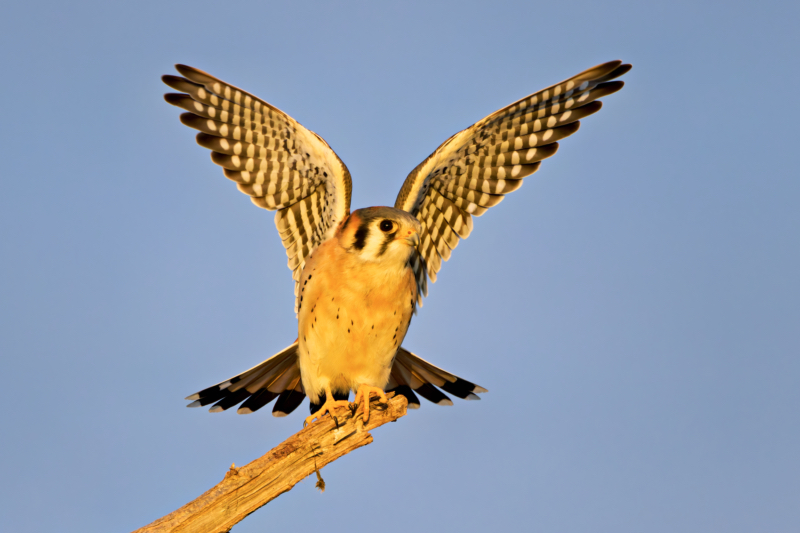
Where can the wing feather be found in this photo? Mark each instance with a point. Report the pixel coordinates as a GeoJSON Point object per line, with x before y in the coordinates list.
{"type": "Point", "coordinates": [473, 170]}
{"type": "Point", "coordinates": [281, 165]}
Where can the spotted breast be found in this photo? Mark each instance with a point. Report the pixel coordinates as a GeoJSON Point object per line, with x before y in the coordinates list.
{"type": "Point", "coordinates": [357, 296]}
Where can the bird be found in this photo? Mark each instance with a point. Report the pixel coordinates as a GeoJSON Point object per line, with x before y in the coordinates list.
{"type": "Point", "coordinates": [360, 276]}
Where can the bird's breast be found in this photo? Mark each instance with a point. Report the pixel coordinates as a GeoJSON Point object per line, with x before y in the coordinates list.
{"type": "Point", "coordinates": [352, 318]}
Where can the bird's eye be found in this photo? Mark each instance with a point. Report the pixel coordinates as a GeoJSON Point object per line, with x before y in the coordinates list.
{"type": "Point", "coordinates": [386, 226]}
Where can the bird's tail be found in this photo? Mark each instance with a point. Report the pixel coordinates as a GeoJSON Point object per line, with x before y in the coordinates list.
{"type": "Point", "coordinates": [411, 373]}
{"type": "Point", "coordinates": [279, 377]}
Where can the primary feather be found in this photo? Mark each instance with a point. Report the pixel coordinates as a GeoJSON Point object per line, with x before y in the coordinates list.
{"type": "Point", "coordinates": [473, 170]}
{"type": "Point", "coordinates": [281, 165]}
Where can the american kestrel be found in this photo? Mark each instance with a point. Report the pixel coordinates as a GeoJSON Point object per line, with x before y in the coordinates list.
{"type": "Point", "coordinates": [359, 276]}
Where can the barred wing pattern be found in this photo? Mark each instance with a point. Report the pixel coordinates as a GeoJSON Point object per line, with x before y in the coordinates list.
{"type": "Point", "coordinates": [475, 168]}
{"type": "Point", "coordinates": [281, 165]}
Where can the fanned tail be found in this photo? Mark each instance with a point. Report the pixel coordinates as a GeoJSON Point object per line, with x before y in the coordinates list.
{"type": "Point", "coordinates": [411, 374]}
{"type": "Point", "coordinates": [277, 377]}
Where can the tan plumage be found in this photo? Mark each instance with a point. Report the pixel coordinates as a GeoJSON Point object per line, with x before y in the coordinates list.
{"type": "Point", "coordinates": [359, 277]}
{"type": "Point", "coordinates": [350, 332]}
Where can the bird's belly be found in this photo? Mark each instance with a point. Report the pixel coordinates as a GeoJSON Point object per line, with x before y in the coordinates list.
{"type": "Point", "coordinates": [350, 333]}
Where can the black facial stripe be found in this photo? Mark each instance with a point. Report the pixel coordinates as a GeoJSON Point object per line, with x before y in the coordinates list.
{"type": "Point", "coordinates": [361, 236]}
{"type": "Point", "coordinates": [387, 238]}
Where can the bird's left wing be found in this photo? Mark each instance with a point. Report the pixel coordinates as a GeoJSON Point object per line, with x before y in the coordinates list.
{"type": "Point", "coordinates": [472, 170]}
{"type": "Point", "coordinates": [281, 165]}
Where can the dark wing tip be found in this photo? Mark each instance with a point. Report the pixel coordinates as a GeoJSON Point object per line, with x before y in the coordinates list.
{"type": "Point", "coordinates": [190, 119]}
{"type": "Point", "coordinates": [196, 75]}
{"type": "Point", "coordinates": [609, 87]}
{"type": "Point", "coordinates": [184, 69]}
{"type": "Point", "coordinates": [623, 69]}
{"type": "Point", "coordinates": [173, 81]}
{"type": "Point", "coordinates": [599, 71]}
{"type": "Point", "coordinates": [174, 98]}
{"type": "Point", "coordinates": [611, 66]}
{"type": "Point", "coordinates": [615, 86]}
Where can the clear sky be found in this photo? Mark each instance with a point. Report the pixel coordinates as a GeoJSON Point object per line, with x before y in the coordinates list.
{"type": "Point", "coordinates": [634, 309]}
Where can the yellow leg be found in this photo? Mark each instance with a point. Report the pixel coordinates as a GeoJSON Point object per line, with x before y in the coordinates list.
{"type": "Point", "coordinates": [362, 395]}
{"type": "Point", "coordinates": [327, 407]}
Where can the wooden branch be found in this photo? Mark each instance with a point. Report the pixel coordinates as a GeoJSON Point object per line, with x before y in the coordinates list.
{"type": "Point", "coordinates": [245, 489]}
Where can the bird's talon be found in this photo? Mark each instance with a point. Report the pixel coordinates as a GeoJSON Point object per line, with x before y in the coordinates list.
{"type": "Point", "coordinates": [363, 393]}
{"type": "Point", "coordinates": [327, 407]}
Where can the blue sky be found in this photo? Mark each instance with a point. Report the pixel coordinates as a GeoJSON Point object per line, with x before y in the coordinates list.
{"type": "Point", "coordinates": [633, 309]}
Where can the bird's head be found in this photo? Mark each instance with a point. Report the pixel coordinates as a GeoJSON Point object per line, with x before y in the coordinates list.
{"type": "Point", "coordinates": [378, 234]}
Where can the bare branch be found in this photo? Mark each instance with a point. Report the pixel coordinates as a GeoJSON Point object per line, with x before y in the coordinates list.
{"type": "Point", "coordinates": [247, 488]}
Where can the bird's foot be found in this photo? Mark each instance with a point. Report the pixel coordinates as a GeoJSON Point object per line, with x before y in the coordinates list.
{"type": "Point", "coordinates": [362, 398]}
{"type": "Point", "coordinates": [327, 407]}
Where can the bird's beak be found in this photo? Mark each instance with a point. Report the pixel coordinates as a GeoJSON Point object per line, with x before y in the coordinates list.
{"type": "Point", "coordinates": [413, 239]}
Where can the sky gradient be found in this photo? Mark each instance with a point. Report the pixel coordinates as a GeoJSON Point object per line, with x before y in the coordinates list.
{"type": "Point", "coordinates": [633, 309]}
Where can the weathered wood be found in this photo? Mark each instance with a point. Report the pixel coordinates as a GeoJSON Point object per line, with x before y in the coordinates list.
{"type": "Point", "coordinates": [245, 489]}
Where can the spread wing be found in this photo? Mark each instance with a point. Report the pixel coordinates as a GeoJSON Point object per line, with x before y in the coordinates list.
{"type": "Point", "coordinates": [472, 170]}
{"type": "Point", "coordinates": [281, 165]}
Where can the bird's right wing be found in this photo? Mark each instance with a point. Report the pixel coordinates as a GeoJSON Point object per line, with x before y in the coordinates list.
{"type": "Point", "coordinates": [281, 165]}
